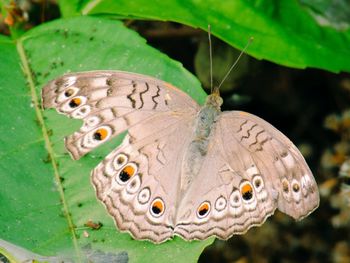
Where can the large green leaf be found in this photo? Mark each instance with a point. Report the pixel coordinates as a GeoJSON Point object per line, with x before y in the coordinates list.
{"type": "Point", "coordinates": [284, 31]}
{"type": "Point", "coordinates": [46, 197]}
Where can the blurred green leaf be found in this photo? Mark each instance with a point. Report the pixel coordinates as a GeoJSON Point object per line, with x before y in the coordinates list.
{"type": "Point", "coordinates": [46, 198]}
{"type": "Point", "coordinates": [334, 13]}
{"type": "Point", "coordinates": [284, 32]}
{"type": "Point", "coordinates": [11, 253]}
{"type": "Point", "coordinates": [223, 57]}
{"type": "Point", "coordinates": [70, 8]}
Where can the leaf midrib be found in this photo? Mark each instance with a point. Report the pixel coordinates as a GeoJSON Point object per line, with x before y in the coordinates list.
{"type": "Point", "coordinates": [29, 77]}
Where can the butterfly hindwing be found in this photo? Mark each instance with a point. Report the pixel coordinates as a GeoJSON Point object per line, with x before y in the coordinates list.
{"type": "Point", "coordinates": [278, 158]}
{"type": "Point", "coordinates": [228, 197]}
{"type": "Point", "coordinates": [249, 170]}
{"type": "Point", "coordinates": [138, 182]}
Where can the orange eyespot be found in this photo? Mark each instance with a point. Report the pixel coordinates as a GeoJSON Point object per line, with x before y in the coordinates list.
{"type": "Point", "coordinates": [157, 207]}
{"type": "Point", "coordinates": [127, 172]}
{"type": "Point", "coordinates": [247, 191]}
{"type": "Point", "coordinates": [75, 102]}
{"type": "Point", "coordinates": [100, 134]}
{"type": "Point", "coordinates": [203, 209]}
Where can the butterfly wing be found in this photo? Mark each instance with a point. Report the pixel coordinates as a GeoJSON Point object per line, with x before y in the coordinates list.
{"type": "Point", "coordinates": [250, 169]}
{"type": "Point", "coordinates": [138, 182]}
{"type": "Point", "coordinates": [285, 166]}
{"type": "Point", "coordinates": [111, 102]}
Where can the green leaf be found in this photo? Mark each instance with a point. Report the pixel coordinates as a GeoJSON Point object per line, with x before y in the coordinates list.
{"type": "Point", "coordinates": [12, 253]}
{"type": "Point", "coordinates": [70, 8]}
{"type": "Point", "coordinates": [334, 13]}
{"type": "Point", "coordinates": [284, 32]}
{"type": "Point", "coordinates": [46, 197]}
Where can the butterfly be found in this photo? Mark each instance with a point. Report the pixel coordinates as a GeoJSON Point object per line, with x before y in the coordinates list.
{"type": "Point", "coordinates": [182, 169]}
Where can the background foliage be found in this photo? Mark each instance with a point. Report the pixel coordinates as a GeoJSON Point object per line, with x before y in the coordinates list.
{"type": "Point", "coordinates": [46, 199]}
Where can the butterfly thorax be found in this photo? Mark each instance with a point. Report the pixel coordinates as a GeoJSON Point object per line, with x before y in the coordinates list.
{"type": "Point", "coordinates": [207, 116]}
{"type": "Point", "coordinates": [204, 126]}
{"type": "Point", "coordinates": [214, 100]}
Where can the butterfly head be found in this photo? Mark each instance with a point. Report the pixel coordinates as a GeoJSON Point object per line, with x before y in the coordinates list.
{"type": "Point", "coordinates": [214, 99]}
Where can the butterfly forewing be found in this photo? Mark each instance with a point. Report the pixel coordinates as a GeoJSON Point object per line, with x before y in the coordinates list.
{"type": "Point", "coordinates": [110, 102]}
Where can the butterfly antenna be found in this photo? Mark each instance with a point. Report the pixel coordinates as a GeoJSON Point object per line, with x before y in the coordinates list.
{"type": "Point", "coordinates": [238, 58]}
{"type": "Point", "coordinates": [210, 60]}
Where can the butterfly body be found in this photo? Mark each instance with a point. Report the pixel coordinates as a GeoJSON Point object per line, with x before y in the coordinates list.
{"type": "Point", "coordinates": [204, 123]}
{"type": "Point", "coordinates": [182, 169]}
